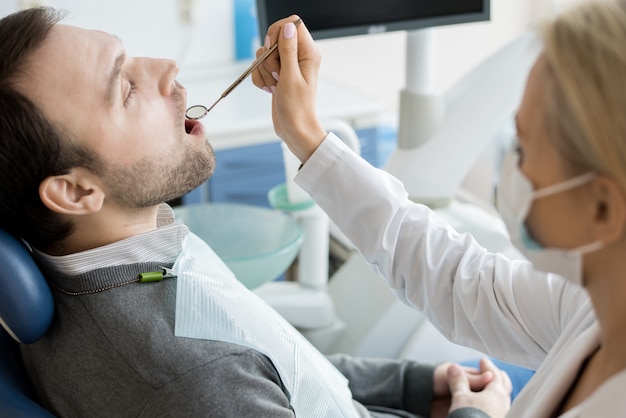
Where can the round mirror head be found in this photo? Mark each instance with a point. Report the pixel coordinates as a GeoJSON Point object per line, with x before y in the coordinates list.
{"type": "Point", "coordinates": [196, 112]}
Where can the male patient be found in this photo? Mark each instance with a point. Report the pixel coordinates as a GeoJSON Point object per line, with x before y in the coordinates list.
{"type": "Point", "coordinates": [93, 142]}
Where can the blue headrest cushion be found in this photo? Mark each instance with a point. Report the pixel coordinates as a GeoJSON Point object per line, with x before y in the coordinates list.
{"type": "Point", "coordinates": [26, 303]}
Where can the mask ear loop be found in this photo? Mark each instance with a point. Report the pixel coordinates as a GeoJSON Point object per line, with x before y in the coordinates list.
{"type": "Point", "coordinates": [566, 185]}
{"type": "Point", "coordinates": [586, 249]}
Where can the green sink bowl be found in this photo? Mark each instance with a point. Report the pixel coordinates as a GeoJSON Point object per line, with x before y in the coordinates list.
{"type": "Point", "coordinates": [256, 243]}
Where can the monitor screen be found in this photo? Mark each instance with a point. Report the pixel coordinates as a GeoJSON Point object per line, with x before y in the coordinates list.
{"type": "Point", "coordinates": [335, 18]}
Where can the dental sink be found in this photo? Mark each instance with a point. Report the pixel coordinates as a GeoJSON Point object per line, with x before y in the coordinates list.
{"type": "Point", "coordinates": [256, 243]}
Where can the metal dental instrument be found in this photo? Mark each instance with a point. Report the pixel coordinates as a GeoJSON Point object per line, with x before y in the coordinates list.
{"type": "Point", "coordinates": [196, 112]}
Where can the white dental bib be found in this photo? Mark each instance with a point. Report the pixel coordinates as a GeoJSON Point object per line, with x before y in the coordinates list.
{"type": "Point", "coordinates": [212, 304]}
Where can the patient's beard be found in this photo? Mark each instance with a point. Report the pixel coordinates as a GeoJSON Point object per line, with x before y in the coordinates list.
{"type": "Point", "coordinates": [159, 179]}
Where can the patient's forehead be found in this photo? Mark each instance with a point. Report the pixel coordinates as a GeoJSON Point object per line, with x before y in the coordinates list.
{"type": "Point", "coordinates": [67, 76]}
{"type": "Point", "coordinates": [70, 61]}
{"type": "Point", "coordinates": [70, 51]}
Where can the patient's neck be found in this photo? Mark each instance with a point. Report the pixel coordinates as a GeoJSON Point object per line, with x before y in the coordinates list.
{"type": "Point", "coordinates": [103, 228]}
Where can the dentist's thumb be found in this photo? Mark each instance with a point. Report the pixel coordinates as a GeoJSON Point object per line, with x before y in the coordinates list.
{"type": "Point", "coordinates": [288, 50]}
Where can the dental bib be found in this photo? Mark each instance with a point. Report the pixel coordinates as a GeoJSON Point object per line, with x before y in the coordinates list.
{"type": "Point", "coordinates": [212, 304]}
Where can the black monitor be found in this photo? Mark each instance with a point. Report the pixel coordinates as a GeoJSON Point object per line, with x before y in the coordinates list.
{"type": "Point", "coordinates": [336, 18]}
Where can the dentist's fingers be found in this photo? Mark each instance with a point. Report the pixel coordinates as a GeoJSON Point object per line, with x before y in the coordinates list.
{"type": "Point", "coordinates": [266, 74]}
{"type": "Point", "coordinates": [295, 115]}
{"type": "Point", "coordinates": [307, 50]}
{"type": "Point", "coordinates": [261, 78]}
{"type": "Point", "coordinates": [293, 71]}
{"type": "Point", "coordinates": [308, 57]}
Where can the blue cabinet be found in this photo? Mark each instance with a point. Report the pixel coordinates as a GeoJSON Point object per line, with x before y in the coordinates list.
{"type": "Point", "coordinates": [246, 174]}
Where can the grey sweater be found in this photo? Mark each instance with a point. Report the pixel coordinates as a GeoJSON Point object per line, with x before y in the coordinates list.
{"type": "Point", "coordinates": [111, 352]}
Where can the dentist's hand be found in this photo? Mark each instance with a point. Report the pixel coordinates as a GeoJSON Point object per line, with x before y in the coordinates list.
{"type": "Point", "coordinates": [494, 399]}
{"type": "Point", "coordinates": [291, 76]}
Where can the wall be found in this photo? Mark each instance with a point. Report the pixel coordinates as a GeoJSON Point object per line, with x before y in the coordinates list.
{"type": "Point", "coordinates": [154, 28]}
{"type": "Point", "coordinates": [381, 73]}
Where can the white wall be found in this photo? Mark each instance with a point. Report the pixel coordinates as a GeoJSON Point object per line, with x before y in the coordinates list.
{"type": "Point", "coordinates": [379, 67]}
{"type": "Point", "coordinates": [154, 27]}
{"type": "Point", "coordinates": [372, 64]}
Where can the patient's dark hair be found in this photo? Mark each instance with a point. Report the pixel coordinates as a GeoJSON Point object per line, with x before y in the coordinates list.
{"type": "Point", "coordinates": [31, 148]}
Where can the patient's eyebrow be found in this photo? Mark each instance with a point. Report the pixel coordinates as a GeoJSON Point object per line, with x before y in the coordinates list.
{"type": "Point", "coordinates": [114, 76]}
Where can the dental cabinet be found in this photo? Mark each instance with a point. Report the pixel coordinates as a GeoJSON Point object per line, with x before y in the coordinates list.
{"type": "Point", "coordinates": [249, 159]}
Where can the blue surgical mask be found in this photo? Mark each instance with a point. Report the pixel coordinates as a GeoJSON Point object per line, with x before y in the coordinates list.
{"type": "Point", "coordinates": [515, 198]}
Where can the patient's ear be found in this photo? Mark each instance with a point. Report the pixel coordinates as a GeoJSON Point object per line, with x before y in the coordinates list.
{"type": "Point", "coordinates": [77, 193]}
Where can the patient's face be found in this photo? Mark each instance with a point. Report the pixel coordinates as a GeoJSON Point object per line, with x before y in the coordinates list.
{"type": "Point", "coordinates": [129, 111]}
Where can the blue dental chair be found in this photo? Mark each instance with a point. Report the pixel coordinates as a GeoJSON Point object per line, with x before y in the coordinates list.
{"type": "Point", "coordinates": [26, 311]}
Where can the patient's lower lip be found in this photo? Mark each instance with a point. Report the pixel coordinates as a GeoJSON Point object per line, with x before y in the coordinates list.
{"type": "Point", "coordinates": [197, 128]}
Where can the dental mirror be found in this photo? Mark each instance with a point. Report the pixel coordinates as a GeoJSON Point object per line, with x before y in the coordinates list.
{"type": "Point", "coordinates": [196, 112]}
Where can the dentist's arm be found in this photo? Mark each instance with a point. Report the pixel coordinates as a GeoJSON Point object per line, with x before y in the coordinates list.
{"type": "Point", "coordinates": [292, 75]}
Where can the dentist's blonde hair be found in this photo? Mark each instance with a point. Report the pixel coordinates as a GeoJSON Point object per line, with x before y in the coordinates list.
{"type": "Point", "coordinates": [585, 57]}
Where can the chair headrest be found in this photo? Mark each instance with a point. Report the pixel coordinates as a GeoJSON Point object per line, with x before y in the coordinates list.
{"type": "Point", "coordinates": [26, 303]}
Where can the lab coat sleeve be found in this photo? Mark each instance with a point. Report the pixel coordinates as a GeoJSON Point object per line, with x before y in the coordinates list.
{"type": "Point", "coordinates": [475, 298]}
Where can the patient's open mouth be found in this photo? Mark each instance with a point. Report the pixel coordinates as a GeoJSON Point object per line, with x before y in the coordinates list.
{"type": "Point", "coordinates": [193, 127]}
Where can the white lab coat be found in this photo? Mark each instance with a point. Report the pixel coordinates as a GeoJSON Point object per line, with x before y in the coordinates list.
{"type": "Point", "coordinates": [475, 298]}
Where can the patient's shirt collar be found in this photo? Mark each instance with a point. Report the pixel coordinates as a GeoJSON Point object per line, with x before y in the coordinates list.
{"type": "Point", "coordinates": [162, 244]}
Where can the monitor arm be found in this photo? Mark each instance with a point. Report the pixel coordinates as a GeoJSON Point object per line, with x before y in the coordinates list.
{"type": "Point", "coordinates": [440, 136]}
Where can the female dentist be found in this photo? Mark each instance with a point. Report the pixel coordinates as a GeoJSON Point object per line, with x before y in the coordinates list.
{"type": "Point", "coordinates": [562, 196]}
